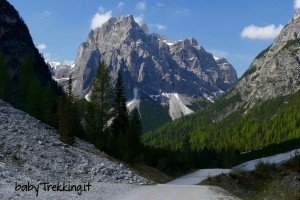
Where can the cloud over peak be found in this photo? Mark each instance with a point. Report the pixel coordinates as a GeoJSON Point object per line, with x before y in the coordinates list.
{"type": "Point", "coordinates": [262, 33]}
{"type": "Point", "coordinates": [139, 19]}
{"type": "Point", "coordinates": [100, 18]}
{"type": "Point", "coordinates": [41, 46]}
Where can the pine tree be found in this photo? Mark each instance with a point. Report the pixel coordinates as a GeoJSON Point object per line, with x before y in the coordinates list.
{"type": "Point", "coordinates": [26, 74]}
{"type": "Point", "coordinates": [90, 124]}
{"type": "Point", "coordinates": [32, 101]}
{"type": "Point", "coordinates": [120, 122]}
{"type": "Point", "coordinates": [48, 104]}
{"type": "Point", "coordinates": [134, 141]}
{"type": "Point", "coordinates": [4, 80]}
{"type": "Point", "coordinates": [66, 116]}
{"type": "Point", "coordinates": [100, 105]}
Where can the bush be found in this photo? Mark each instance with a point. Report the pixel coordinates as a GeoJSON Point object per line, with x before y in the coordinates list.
{"type": "Point", "coordinates": [294, 163]}
{"type": "Point", "coordinates": [265, 168]}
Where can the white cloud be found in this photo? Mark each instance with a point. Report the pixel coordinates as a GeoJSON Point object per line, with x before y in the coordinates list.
{"type": "Point", "coordinates": [139, 19]}
{"type": "Point", "coordinates": [219, 53]}
{"type": "Point", "coordinates": [68, 62]}
{"type": "Point", "coordinates": [160, 4]}
{"type": "Point", "coordinates": [183, 12]}
{"type": "Point", "coordinates": [100, 18]}
{"type": "Point", "coordinates": [160, 27]}
{"type": "Point", "coordinates": [141, 5]}
{"type": "Point", "coordinates": [120, 5]}
{"type": "Point", "coordinates": [46, 12]}
{"type": "Point", "coordinates": [47, 56]}
{"type": "Point", "coordinates": [262, 33]}
{"type": "Point", "coordinates": [41, 47]}
{"type": "Point", "coordinates": [297, 4]}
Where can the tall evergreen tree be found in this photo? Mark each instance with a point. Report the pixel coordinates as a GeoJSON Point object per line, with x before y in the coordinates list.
{"type": "Point", "coordinates": [120, 122]}
{"type": "Point", "coordinates": [100, 105]}
{"type": "Point", "coordinates": [48, 104]}
{"type": "Point", "coordinates": [4, 80]}
{"type": "Point", "coordinates": [90, 124]}
{"type": "Point", "coordinates": [26, 74]}
{"type": "Point", "coordinates": [134, 141]}
{"type": "Point", "coordinates": [66, 115]}
{"type": "Point", "coordinates": [32, 101]}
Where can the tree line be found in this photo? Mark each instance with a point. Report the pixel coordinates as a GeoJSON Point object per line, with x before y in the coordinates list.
{"type": "Point", "coordinates": [103, 121]}
{"type": "Point", "coordinates": [30, 95]}
{"type": "Point", "coordinates": [106, 122]}
{"type": "Point", "coordinates": [273, 121]}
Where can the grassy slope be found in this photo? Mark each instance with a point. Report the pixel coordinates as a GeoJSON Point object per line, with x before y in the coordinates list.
{"type": "Point", "coordinates": [267, 181]}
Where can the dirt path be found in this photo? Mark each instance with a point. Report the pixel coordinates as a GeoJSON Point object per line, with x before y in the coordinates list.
{"type": "Point", "coordinates": [176, 192]}
{"type": "Point", "coordinates": [182, 188]}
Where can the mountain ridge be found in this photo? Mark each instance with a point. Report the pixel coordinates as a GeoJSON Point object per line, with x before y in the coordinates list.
{"type": "Point", "coordinates": [150, 63]}
{"type": "Point", "coordinates": [262, 107]}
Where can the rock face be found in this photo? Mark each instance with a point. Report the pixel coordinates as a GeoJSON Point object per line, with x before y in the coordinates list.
{"type": "Point", "coordinates": [275, 71]}
{"type": "Point", "coordinates": [16, 42]}
{"type": "Point", "coordinates": [31, 151]}
{"type": "Point", "coordinates": [148, 62]}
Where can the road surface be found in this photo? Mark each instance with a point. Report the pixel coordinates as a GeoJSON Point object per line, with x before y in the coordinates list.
{"type": "Point", "coordinates": [198, 176]}
{"type": "Point", "coordinates": [182, 188]}
{"type": "Point", "coordinates": [177, 192]}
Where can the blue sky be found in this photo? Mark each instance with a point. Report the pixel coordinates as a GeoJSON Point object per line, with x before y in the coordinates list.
{"type": "Point", "coordinates": [235, 29]}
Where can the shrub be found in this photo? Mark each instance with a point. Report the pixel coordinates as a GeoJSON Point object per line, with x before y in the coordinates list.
{"type": "Point", "coordinates": [264, 168]}
{"type": "Point", "coordinates": [294, 163]}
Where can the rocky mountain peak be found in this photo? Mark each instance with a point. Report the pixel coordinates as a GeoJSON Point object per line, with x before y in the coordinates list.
{"type": "Point", "coordinates": [148, 62]}
{"type": "Point", "coordinates": [275, 71]}
{"type": "Point", "coordinates": [191, 41]}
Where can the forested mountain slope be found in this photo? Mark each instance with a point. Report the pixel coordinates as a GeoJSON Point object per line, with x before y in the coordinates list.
{"type": "Point", "coordinates": [25, 80]}
{"type": "Point", "coordinates": [262, 108]}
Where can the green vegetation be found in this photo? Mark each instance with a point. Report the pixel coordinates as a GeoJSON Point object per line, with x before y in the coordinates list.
{"type": "Point", "coordinates": [274, 121]}
{"type": "Point", "coordinates": [15, 159]}
{"type": "Point", "coordinates": [267, 181]}
{"type": "Point", "coordinates": [34, 98]}
{"type": "Point", "coordinates": [290, 43]}
{"type": "Point", "coordinates": [261, 54]}
{"type": "Point", "coordinates": [98, 110]}
{"type": "Point", "coordinates": [5, 89]}
{"type": "Point", "coordinates": [250, 71]}
{"type": "Point", "coordinates": [69, 121]}
{"type": "Point", "coordinates": [154, 115]}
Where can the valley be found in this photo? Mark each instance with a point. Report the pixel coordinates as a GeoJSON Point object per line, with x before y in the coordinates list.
{"type": "Point", "coordinates": [137, 115]}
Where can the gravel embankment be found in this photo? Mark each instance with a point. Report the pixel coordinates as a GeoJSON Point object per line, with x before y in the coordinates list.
{"type": "Point", "coordinates": [30, 151]}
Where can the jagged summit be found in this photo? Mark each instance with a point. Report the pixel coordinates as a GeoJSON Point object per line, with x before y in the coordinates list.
{"type": "Point", "coordinates": [150, 63]}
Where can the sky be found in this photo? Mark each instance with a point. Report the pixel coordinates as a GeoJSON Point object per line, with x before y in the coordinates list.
{"type": "Point", "coordinates": [235, 29]}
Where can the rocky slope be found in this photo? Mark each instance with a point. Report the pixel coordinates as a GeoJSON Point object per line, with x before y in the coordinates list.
{"type": "Point", "coordinates": [147, 61]}
{"type": "Point", "coordinates": [150, 64]}
{"type": "Point", "coordinates": [31, 151]}
{"type": "Point", "coordinates": [275, 71]}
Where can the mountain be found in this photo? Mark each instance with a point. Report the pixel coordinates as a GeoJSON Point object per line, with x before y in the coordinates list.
{"type": "Point", "coordinates": [16, 43]}
{"type": "Point", "coordinates": [262, 107]}
{"type": "Point", "coordinates": [147, 61]}
{"type": "Point", "coordinates": [275, 71]}
{"type": "Point", "coordinates": [175, 75]}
